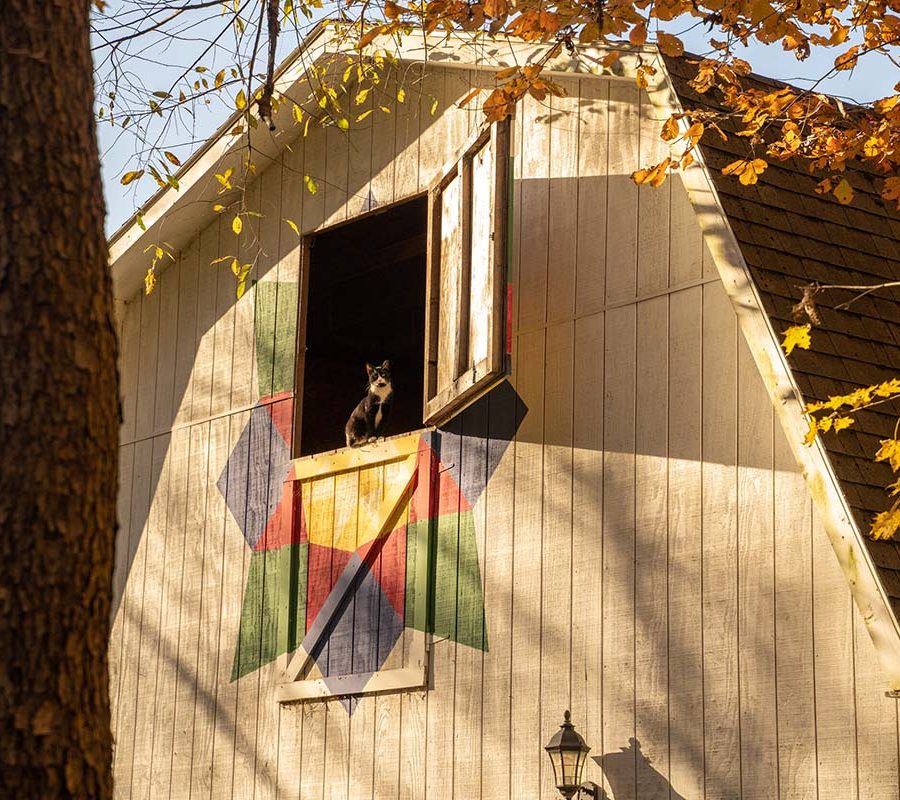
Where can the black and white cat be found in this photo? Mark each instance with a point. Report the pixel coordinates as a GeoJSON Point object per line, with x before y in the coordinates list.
{"type": "Point", "coordinates": [369, 417]}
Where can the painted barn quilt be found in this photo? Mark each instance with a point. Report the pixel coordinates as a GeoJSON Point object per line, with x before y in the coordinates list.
{"type": "Point", "coordinates": [355, 588]}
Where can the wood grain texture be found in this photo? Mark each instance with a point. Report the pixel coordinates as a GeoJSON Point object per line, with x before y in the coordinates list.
{"type": "Point", "coordinates": [686, 539]}
{"type": "Point", "coordinates": [795, 616]}
{"type": "Point", "coordinates": [652, 542]}
{"type": "Point", "coordinates": [618, 642]}
{"type": "Point", "coordinates": [588, 529]}
{"type": "Point", "coordinates": [721, 728]}
{"type": "Point", "coordinates": [534, 203]}
{"type": "Point", "coordinates": [556, 534]}
{"type": "Point", "coordinates": [191, 593]}
{"type": "Point", "coordinates": [836, 732]}
{"type": "Point", "coordinates": [756, 575]}
{"type": "Point", "coordinates": [525, 710]}
{"type": "Point", "coordinates": [562, 241]}
{"type": "Point", "coordinates": [622, 210]}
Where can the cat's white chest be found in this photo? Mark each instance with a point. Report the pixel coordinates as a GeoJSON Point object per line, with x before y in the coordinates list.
{"type": "Point", "coordinates": [382, 393]}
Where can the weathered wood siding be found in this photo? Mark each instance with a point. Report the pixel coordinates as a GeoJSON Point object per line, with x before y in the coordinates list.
{"type": "Point", "coordinates": [648, 554]}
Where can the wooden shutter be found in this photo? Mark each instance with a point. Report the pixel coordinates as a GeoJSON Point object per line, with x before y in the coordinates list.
{"type": "Point", "coordinates": [355, 500]}
{"type": "Point", "coordinates": [466, 295]}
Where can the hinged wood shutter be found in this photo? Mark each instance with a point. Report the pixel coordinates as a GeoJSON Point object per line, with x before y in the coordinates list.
{"type": "Point", "coordinates": [355, 504]}
{"type": "Point", "coordinates": [466, 295]}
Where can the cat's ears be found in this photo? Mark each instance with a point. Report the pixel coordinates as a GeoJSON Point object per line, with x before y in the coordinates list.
{"type": "Point", "coordinates": [386, 364]}
{"type": "Point", "coordinates": [370, 369]}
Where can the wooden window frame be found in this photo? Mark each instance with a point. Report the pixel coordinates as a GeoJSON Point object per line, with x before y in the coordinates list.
{"type": "Point", "coordinates": [306, 246]}
{"type": "Point", "coordinates": [469, 381]}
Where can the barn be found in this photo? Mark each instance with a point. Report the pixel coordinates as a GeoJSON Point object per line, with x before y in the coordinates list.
{"type": "Point", "coordinates": [593, 494]}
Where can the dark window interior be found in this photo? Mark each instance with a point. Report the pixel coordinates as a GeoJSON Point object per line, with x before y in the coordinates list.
{"type": "Point", "coordinates": [366, 303]}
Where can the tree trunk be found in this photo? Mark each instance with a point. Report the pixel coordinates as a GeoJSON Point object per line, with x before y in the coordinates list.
{"type": "Point", "coordinates": [58, 412]}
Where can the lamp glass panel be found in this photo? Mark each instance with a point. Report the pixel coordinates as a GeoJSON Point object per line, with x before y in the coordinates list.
{"type": "Point", "coordinates": [555, 759]}
{"type": "Point", "coordinates": [571, 767]}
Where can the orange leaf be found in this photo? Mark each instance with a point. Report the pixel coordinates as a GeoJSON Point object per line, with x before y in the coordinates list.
{"type": "Point", "coordinates": [496, 8]}
{"type": "Point", "coordinates": [670, 129]}
{"type": "Point", "coordinates": [654, 176]}
{"type": "Point", "coordinates": [638, 34]}
{"type": "Point", "coordinates": [669, 45]}
{"type": "Point", "coordinates": [847, 60]}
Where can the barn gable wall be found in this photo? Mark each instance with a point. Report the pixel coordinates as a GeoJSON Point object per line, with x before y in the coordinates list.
{"type": "Point", "coordinates": [649, 555]}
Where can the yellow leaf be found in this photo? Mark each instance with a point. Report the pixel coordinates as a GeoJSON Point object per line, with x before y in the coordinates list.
{"type": "Point", "coordinates": [843, 192]}
{"type": "Point", "coordinates": [886, 524]}
{"type": "Point", "coordinates": [890, 452]}
{"type": "Point", "coordinates": [297, 112]}
{"type": "Point", "coordinates": [128, 177]}
{"type": "Point", "coordinates": [753, 170]}
{"type": "Point", "coordinates": [364, 114]}
{"type": "Point", "coordinates": [343, 124]}
{"type": "Point", "coordinates": [293, 226]}
{"type": "Point", "coordinates": [311, 186]}
{"type": "Point", "coordinates": [401, 95]}
{"type": "Point", "coordinates": [841, 422]}
{"type": "Point", "coordinates": [810, 433]}
{"type": "Point", "coordinates": [240, 102]}
{"type": "Point", "coordinates": [796, 336]}
{"type": "Point", "coordinates": [150, 281]}
{"type": "Point", "coordinates": [235, 266]}
{"type": "Point", "coordinates": [172, 158]}
{"type": "Point", "coordinates": [224, 177]}
{"type": "Point", "coordinates": [237, 226]}
{"type": "Point", "coordinates": [218, 208]}
{"type": "Point", "coordinates": [361, 96]}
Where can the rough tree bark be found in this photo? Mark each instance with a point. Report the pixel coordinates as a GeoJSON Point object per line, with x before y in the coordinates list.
{"type": "Point", "coordinates": [58, 412]}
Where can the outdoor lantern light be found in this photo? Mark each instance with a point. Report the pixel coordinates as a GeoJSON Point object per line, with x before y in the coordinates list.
{"type": "Point", "coordinates": [568, 752]}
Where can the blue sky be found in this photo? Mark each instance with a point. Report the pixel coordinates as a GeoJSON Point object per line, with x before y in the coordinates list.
{"type": "Point", "coordinates": [153, 69]}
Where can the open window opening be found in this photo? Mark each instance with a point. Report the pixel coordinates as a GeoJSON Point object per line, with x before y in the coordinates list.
{"type": "Point", "coordinates": [365, 304]}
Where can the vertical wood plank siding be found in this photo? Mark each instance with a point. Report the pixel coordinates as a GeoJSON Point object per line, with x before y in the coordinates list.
{"type": "Point", "coordinates": [647, 553]}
